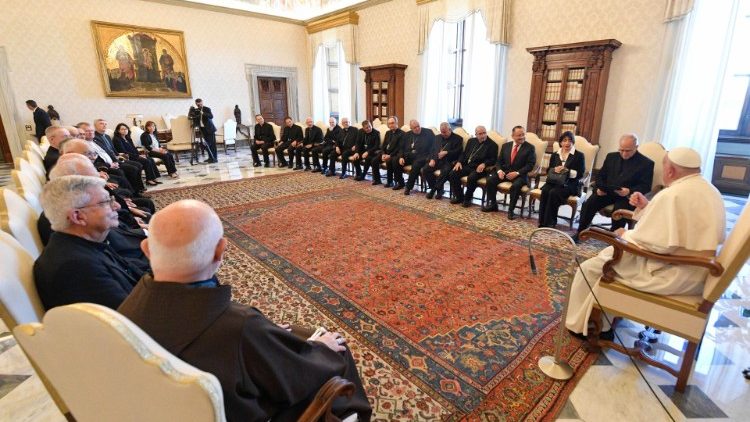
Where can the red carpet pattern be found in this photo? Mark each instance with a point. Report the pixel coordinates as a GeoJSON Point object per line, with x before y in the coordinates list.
{"type": "Point", "coordinates": [445, 319]}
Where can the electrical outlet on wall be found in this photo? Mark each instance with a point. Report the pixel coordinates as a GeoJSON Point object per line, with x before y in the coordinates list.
{"type": "Point", "coordinates": [28, 128]}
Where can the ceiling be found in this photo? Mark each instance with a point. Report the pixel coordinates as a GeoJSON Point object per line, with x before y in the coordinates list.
{"type": "Point", "coordinates": [296, 10]}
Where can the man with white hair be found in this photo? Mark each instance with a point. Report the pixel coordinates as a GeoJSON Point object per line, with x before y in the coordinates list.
{"type": "Point", "coordinates": [55, 135]}
{"type": "Point", "coordinates": [415, 151]}
{"type": "Point", "coordinates": [447, 151]}
{"type": "Point", "coordinates": [685, 218]}
{"type": "Point", "coordinates": [266, 371]}
{"type": "Point", "coordinates": [78, 265]}
{"type": "Point", "coordinates": [326, 147]}
{"type": "Point", "coordinates": [312, 139]}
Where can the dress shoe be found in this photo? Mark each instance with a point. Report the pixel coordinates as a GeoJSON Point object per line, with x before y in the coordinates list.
{"type": "Point", "coordinates": [256, 164]}
{"type": "Point", "coordinates": [376, 182]}
{"type": "Point", "coordinates": [343, 176]}
{"type": "Point", "coordinates": [282, 165]}
{"type": "Point", "coordinates": [490, 207]}
{"type": "Point", "coordinates": [291, 166]}
{"type": "Point", "coordinates": [398, 186]}
{"type": "Point", "coordinates": [317, 170]}
{"type": "Point", "coordinates": [576, 239]}
{"type": "Point", "coordinates": [308, 168]}
{"type": "Point", "coordinates": [330, 174]}
{"type": "Point", "coordinates": [466, 203]}
{"type": "Point", "coordinates": [456, 200]}
{"type": "Point", "coordinates": [388, 185]}
{"type": "Point", "coordinates": [297, 168]}
{"type": "Point", "coordinates": [439, 194]}
{"type": "Point", "coordinates": [267, 165]}
{"type": "Point", "coordinates": [358, 178]}
{"type": "Point", "coordinates": [407, 191]}
{"type": "Point", "coordinates": [430, 194]}
{"type": "Point", "coordinates": [579, 336]}
{"type": "Point", "coordinates": [511, 215]}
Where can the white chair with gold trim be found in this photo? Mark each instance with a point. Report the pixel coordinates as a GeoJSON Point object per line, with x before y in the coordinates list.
{"type": "Point", "coordinates": [28, 188]}
{"type": "Point", "coordinates": [482, 183]}
{"type": "Point", "coordinates": [30, 163]}
{"type": "Point", "coordinates": [106, 368]}
{"type": "Point", "coordinates": [277, 135]}
{"type": "Point", "coordinates": [181, 136]}
{"type": "Point", "coordinates": [684, 316]}
{"type": "Point", "coordinates": [19, 219]}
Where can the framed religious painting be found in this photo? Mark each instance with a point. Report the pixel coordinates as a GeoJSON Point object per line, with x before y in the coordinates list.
{"type": "Point", "coordinates": [141, 62]}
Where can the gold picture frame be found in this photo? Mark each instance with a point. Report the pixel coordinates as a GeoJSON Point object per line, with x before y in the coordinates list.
{"type": "Point", "coordinates": [136, 61]}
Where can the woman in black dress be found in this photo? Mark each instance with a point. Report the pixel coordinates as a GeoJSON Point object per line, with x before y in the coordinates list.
{"type": "Point", "coordinates": [124, 145]}
{"type": "Point", "coordinates": [565, 159]}
{"type": "Point", "coordinates": [149, 141]}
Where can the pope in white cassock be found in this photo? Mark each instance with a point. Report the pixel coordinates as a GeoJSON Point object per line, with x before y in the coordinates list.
{"type": "Point", "coordinates": [685, 218]}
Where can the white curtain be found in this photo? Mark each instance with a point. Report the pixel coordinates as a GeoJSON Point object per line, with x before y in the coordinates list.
{"type": "Point", "coordinates": [698, 76]}
{"type": "Point", "coordinates": [436, 72]}
{"type": "Point", "coordinates": [480, 75]}
{"type": "Point", "coordinates": [346, 93]}
{"type": "Point", "coordinates": [321, 94]}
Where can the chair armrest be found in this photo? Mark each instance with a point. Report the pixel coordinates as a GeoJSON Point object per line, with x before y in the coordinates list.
{"type": "Point", "coordinates": [622, 214]}
{"type": "Point", "coordinates": [320, 407]}
{"type": "Point", "coordinates": [621, 245]}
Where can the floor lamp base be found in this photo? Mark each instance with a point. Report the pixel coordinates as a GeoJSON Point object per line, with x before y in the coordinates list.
{"type": "Point", "coordinates": [559, 370]}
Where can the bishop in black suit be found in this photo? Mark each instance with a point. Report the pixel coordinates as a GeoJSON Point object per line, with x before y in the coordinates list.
{"type": "Point", "coordinates": [516, 160]}
{"type": "Point", "coordinates": [263, 139]}
{"type": "Point", "coordinates": [326, 147]}
{"type": "Point", "coordinates": [312, 139]}
{"type": "Point", "coordinates": [346, 143]}
{"type": "Point", "coordinates": [388, 154]}
{"type": "Point", "coordinates": [448, 148]}
{"type": "Point", "coordinates": [368, 146]}
{"type": "Point", "coordinates": [479, 155]}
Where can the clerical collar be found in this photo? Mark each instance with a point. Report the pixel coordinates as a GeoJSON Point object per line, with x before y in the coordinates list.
{"type": "Point", "coordinates": [211, 282]}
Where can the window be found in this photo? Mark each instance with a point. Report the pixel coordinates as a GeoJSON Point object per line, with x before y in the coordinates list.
{"type": "Point", "coordinates": [461, 78]}
{"type": "Point", "coordinates": [733, 116]}
{"type": "Point", "coordinates": [332, 63]}
{"type": "Point", "coordinates": [331, 83]}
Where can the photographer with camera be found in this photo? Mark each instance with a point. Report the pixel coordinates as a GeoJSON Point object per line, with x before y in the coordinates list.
{"type": "Point", "coordinates": [200, 117]}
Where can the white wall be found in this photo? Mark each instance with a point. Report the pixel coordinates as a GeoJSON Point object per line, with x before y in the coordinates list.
{"type": "Point", "coordinates": [50, 48]}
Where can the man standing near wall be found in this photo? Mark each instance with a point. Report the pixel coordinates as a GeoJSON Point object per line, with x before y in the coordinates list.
{"type": "Point", "coordinates": [41, 119]}
{"type": "Point", "coordinates": [202, 118]}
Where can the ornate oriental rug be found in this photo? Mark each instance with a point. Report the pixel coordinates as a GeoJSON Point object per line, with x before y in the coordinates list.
{"type": "Point", "coordinates": [442, 314]}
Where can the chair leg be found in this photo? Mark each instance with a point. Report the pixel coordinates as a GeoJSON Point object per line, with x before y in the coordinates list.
{"type": "Point", "coordinates": [687, 364]}
{"type": "Point", "coordinates": [572, 216]}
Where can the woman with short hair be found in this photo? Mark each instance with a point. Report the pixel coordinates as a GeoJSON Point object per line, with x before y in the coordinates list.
{"type": "Point", "coordinates": [566, 161]}
{"type": "Point", "coordinates": [151, 143]}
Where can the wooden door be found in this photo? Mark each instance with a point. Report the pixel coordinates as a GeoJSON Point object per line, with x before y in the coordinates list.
{"type": "Point", "coordinates": [5, 155]}
{"type": "Point", "coordinates": [273, 99]}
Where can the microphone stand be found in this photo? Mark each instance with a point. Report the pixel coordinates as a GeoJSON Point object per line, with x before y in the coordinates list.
{"type": "Point", "coordinates": [554, 366]}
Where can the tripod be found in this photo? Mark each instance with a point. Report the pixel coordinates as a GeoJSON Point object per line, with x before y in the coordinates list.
{"type": "Point", "coordinates": [198, 145]}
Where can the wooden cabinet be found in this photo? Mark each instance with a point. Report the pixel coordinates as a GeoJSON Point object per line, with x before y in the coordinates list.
{"type": "Point", "coordinates": [568, 88]}
{"type": "Point", "coordinates": [384, 92]}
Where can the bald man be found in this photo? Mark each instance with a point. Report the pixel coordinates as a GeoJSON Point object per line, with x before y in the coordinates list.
{"type": "Point", "coordinates": [55, 135]}
{"type": "Point", "coordinates": [312, 139]}
{"type": "Point", "coordinates": [266, 372]}
{"type": "Point", "coordinates": [447, 151]}
{"type": "Point", "coordinates": [685, 218]}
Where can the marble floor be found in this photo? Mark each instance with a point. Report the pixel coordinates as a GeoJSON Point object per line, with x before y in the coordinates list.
{"type": "Point", "coordinates": [610, 390]}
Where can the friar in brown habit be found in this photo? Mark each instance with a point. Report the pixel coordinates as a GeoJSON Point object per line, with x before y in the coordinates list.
{"type": "Point", "coordinates": [266, 371]}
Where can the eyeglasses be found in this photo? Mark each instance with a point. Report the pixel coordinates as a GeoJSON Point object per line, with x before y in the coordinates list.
{"type": "Point", "coordinates": [626, 150]}
{"type": "Point", "coordinates": [111, 202]}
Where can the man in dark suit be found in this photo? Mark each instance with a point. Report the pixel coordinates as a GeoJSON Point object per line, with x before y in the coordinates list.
{"type": "Point", "coordinates": [202, 118]}
{"type": "Point", "coordinates": [41, 119]}
{"type": "Point", "coordinates": [416, 148]}
{"type": "Point", "coordinates": [326, 147]}
{"type": "Point", "coordinates": [448, 148]}
{"type": "Point", "coordinates": [55, 135]}
{"type": "Point", "coordinates": [346, 143]}
{"type": "Point", "coordinates": [263, 139]}
{"type": "Point", "coordinates": [78, 265]}
{"type": "Point", "coordinates": [516, 160]}
{"type": "Point", "coordinates": [479, 155]}
{"type": "Point", "coordinates": [133, 170]}
{"type": "Point", "coordinates": [368, 145]}
{"type": "Point", "coordinates": [389, 153]}
{"type": "Point", "coordinates": [312, 139]}
{"type": "Point", "coordinates": [291, 136]}
{"type": "Point", "coordinates": [623, 172]}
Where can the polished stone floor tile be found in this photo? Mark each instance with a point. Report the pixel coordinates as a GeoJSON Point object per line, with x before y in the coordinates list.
{"type": "Point", "coordinates": [693, 403]}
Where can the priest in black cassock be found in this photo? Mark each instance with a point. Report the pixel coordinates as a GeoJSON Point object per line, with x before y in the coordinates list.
{"type": "Point", "coordinates": [266, 372]}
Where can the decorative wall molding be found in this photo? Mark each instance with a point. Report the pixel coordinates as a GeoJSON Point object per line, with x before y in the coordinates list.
{"type": "Point", "coordinates": [253, 71]}
{"type": "Point", "coordinates": [334, 21]}
{"type": "Point", "coordinates": [11, 120]}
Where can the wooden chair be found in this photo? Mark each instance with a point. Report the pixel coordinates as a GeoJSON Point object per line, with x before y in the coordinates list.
{"type": "Point", "coordinates": [19, 300]}
{"type": "Point", "coordinates": [101, 364]}
{"type": "Point", "coordinates": [28, 187]}
{"type": "Point", "coordinates": [589, 152]}
{"type": "Point", "coordinates": [181, 136]}
{"type": "Point", "coordinates": [684, 316]}
{"type": "Point", "coordinates": [19, 219]}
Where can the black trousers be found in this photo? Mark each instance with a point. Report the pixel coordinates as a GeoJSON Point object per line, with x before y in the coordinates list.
{"type": "Point", "coordinates": [376, 162]}
{"type": "Point", "coordinates": [416, 168]}
{"type": "Point", "coordinates": [515, 189]}
{"type": "Point", "coordinates": [132, 171]}
{"type": "Point", "coordinates": [472, 176]}
{"type": "Point", "coordinates": [345, 159]}
{"type": "Point", "coordinates": [303, 151]}
{"type": "Point", "coordinates": [553, 196]}
{"type": "Point", "coordinates": [332, 157]}
{"type": "Point", "coordinates": [263, 147]}
{"type": "Point", "coordinates": [210, 138]}
{"type": "Point", "coordinates": [148, 164]}
{"type": "Point", "coordinates": [594, 203]}
{"type": "Point", "coordinates": [280, 153]}
{"type": "Point", "coordinates": [428, 173]}
{"type": "Point", "coordinates": [367, 162]}
{"type": "Point", "coordinates": [324, 151]}
{"type": "Point", "coordinates": [167, 158]}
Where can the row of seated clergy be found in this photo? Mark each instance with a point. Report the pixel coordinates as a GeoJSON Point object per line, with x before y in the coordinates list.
{"type": "Point", "coordinates": [685, 218]}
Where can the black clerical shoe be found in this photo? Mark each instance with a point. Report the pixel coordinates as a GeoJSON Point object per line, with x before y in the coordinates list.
{"type": "Point", "coordinates": [308, 168]}
{"type": "Point", "coordinates": [358, 178]}
{"type": "Point", "coordinates": [388, 185]}
{"type": "Point", "coordinates": [376, 182]}
{"type": "Point", "coordinates": [297, 168]}
{"type": "Point", "coordinates": [257, 164]}
{"type": "Point", "coordinates": [466, 203]}
{"type": "Point", "coordinates": [457, 200]}
{"type": "Point", "coordinates": [267, 165]}
{"type": "Point", "coordinates": [576, 239]}
{"type": "Point", "coordinates": [490, 206]}
{"type": "Point", "coordinates": [430, 194]}
{"type": "Point", "coordinates": [282, 165]}
{"type": "Point", "coordinates": [398, 186]}
{"type": "Point", "coordinates": [439, 194]}
{"type": "Point", "coordinates": [407, 191]}
{"type": "Point", "coordinates": [316, 170]}
{"type": "Point", "coordinates": [330, 174]}
{"type": "Point", "coordinates": [579, 336]}
{"type": "Point", "coordinates": [511, 215]}
{"type": "Point", "coordinates": [343, 176]}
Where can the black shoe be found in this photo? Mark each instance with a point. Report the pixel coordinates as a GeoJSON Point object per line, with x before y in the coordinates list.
{"type": "Point", "coordinates": [511, 215]}
{"type": "Point", "coordinates": [317, 170]}
{"type": "Point", "coordinates": [439, 194]}
{"type": "Point", "coordinates": [398, 186]}
{"type": "Point", "coordinates": [358, 178]}
{"type": "Point", "coordinates": [308, 168]}
{"type": "Point", "coordinates": [257, 164]}
{"type": "Point", "coordinates": [343, 176]}
{"type": "Point", "coordinates": [296, 168]}
{"type": "Point", "coordinates": [388, 185]}
{"type": "Point", "coordinates": [430, 194]}
{"type": "Point", "coordinates": [267, 165]}
{"type": "Point", "coordinates": [456, 200]}
{"type": "Point", "coordinates": [466, 203]}
{"type": "Point", "coordinates": [330, 174]}
{"type": "Point", "coordinates": [576, 239]}
{"type": "Point", "coordinates": [608, 335]}
{"type": "Point", "coordinates": [376, 182]}
{"type": "Point", "coordinates": [208, 161]}
{"type": "Point", "coordinates": [490, 207]}
{"type": "Point", "coordinates": [407, 191]}
{"type": "Point", "coordinates": [291, 166]}
{"type": "Point", "coordinates": [579, 336]}
{"type": "Point", "coordinates": [282, 165]}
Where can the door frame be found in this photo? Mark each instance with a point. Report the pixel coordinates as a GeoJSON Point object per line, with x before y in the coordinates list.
{"type": "Point", "coordinates": [7, 108]}
{"type": "Point", "coordinates": [252, 71]}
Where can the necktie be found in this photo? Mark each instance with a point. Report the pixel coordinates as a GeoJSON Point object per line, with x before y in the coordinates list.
{"type": "Point", "coordinates": [513, 154]}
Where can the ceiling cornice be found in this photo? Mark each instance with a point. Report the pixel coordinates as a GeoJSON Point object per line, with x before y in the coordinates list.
{"type": "Point", "coordinates": [329, 22]}
{"type": "Point", "coordinates": [421, 2]}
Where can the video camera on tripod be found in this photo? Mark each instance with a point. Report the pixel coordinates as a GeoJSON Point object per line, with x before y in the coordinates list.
{"type": "Point", "coordinates": [196, 136]}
